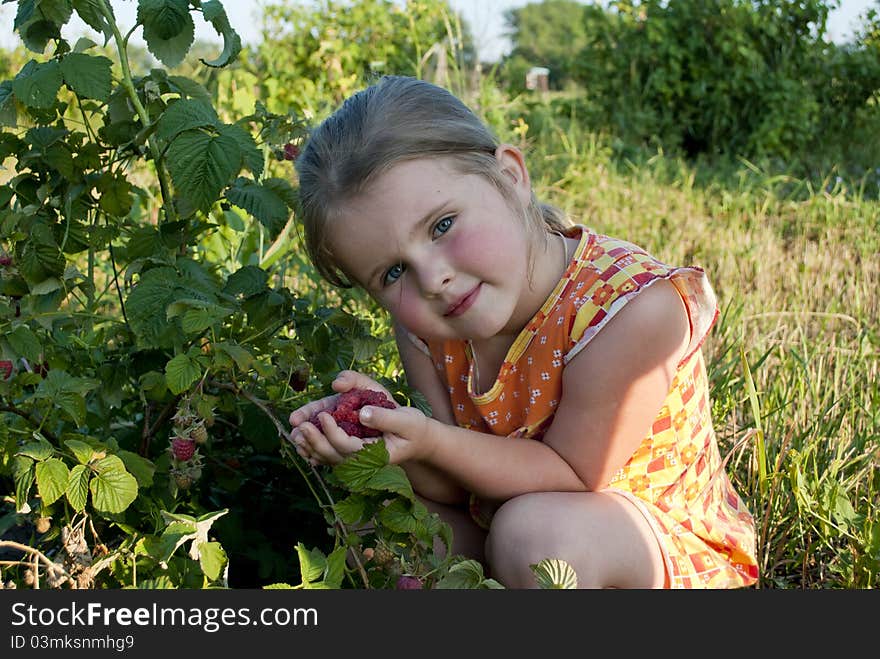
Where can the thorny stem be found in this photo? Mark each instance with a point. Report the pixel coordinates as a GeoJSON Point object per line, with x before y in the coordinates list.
{"type": "Point", "coordinates": [127, 82]}
{"type": "Point", "coordinates": [284, 433]}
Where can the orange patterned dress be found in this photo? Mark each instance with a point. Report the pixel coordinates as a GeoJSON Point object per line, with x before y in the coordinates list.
{"type": "Point", "coordinates": [676, 477]}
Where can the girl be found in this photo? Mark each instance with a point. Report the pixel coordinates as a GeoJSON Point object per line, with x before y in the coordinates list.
{"type": "Point", "coordinates": [570, 408]}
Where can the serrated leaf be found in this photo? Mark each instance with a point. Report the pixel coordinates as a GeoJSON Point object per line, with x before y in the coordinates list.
{"type": "Point", "coordinates": [37, 85]}
{"type": "Point", "coordinates": [201, 164]}
{"type": "Point", "coordinates": [467, 574]}
{"type": "Point", "coordinates": [113, 488]}
{"type": "Point", "coordinates": [246, 281]}
{"type": "Point", "coordinates": [25, 343]}
{"type": "Point", "coordinates": [8, 111]}
{"type": "Point", "coordinates": [88, 75]}
{"type": "Point", "coordinates": [261, 202]}
{"type": "Point", "coordinates": [391, 478]}
{"type": "Point", "coordinates": [241, 356]}
{"type": "Point", "coordinates": [398, 516]}
{"type": "Point", "coordinates": [52, 476]}
{"type": "Point", "coordinates": [41, 258]}
{"type": "Point", "coordinates": [189, 88]}
{"type": "Point", "coordinates": [197, 320]}
{"type": "Point", "coordinates": [23, 476]}
{"type": "Point", "coordinates": [82, 451]}
{"type": "Point", "coordinates": [185, 114]}
{"type": "Point", "coordinates": [251, 155]}
{"type": "Point", "coordinates": [212, 558]}
{"type": "Point", "coordinates": [554, 574]}
{"type": "Point", "coordinates": [214, 13]}
{"type": "Point", "coordinates": [358, 468]}
{"type": "Point", "coordinates": [351, 509]}
{"type": "Point", "coordinates": [335, 571]}
{"type": "Point", "coordinates": [38, 450]}
{"type": "Point", "coordinates": [168, 29]}
{"type": "Point", "coordinates": [77, 490]}
{"type": "Point", "coordinates": [147, 302]}
{"type": "Point", "coordinates": [90, 13]}
{"type": "Point", "coordinates": [181, 372]}
{"type": "Point", "coordinates": [139, 467]}
{"type": "Point", "coordinates": [311, 563]}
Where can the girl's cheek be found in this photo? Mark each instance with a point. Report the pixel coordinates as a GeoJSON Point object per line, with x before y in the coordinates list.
{"type": "Point", "coordinates": [407, 308]}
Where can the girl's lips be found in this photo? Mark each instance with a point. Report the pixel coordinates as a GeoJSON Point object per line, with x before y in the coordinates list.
{"type": "Point", "coordinates": [464, 303]}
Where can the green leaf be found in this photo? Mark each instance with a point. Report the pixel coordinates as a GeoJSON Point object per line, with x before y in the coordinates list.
{"type": "Point", "coordinates": [251, 155]}
{"type": "Point", "coordinates": [113, 488]}
{"type": "Point", "coordinates": [358, 468]}
{"type": "Point", "coordinates": [168, 29]}
{"type": "Point", "coordinates": [115, 192]}
{"type": "Point", "coordinates": [40, 449]}
{"type": "Point", "coordinates": [189, 88]}
{"type": "Point", "coordinates": [90, 13]}
{"type": "Point", "coordinates": [67, 392]}
{"type": "Point", "coordinates": [37, 85]}
{"type": "Point", "coordinates": [41, 258]}
{"type": "Point", "coordinates": [185, 114]}
{"type": "Point", "coordinates": [335, 571]}
{"type": "Point", "coordinates": [23, 476]}
{"type": "Point", "coordinates": [399, 517]}
{"type": "Point", "coordinates": [261, 202]}
{"type": "Point", "coordinates": [391, 478]}
{"type": "Point", "coordinates": [147, 302]}
{"type": "Point", "coordinates": [8, 111]}
{"type": "Point", "coordinates": [311, 563]}
{"type": "Point", "coordinates": [197, 320]}
{"type": "Point", "coordinates": [52, 476]}
{"type": "Point", "coordinates": [555, 574]}
{"type": "Point", "coordinates": [87, 75]}
{"type": "Point", "coordinates": [241, 356]}
{"type": "Point", "coordinates": [25, 343]}
{"type": "Point", "coordinates": [246, 281]}
{"type": "Point", "coordinates": [201, 165]}
{"type": "Point", "coordinates": [82, 451]}
{"type": "Point", "coordinates": [77, 490]}
{"type": "Point", "coordinates": [351, 509]}
{"type": "Point", "coordinates": [214, 13]}
{"type": "Point", "coordinates": [212, 558]}
{"type": "Point", "coordinates": [139, 467]}
{"type": "Point", "coordinates": [466, 575]}
{"type": "Point", "coordinates": [181, 372]}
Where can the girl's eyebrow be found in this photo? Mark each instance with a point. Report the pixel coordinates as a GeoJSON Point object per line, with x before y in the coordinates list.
{"type": "Point", "coordinates": [417, 227]}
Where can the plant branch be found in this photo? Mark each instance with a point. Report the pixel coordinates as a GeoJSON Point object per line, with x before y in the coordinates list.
{"type": "Point", "coordinates": [341, 528]}
{"type": "Point", "coordinates": [128, 84]}
{"type": "Point", "coordinates": [30, 417]}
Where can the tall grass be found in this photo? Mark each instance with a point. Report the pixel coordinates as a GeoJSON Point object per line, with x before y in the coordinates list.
{"type": "Point", "coordinates": [794, 357]}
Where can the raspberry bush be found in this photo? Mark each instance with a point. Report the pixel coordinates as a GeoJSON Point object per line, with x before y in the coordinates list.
{"type": "Point", "coordinates": [158, 322]}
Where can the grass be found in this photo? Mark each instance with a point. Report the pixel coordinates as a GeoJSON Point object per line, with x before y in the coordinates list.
{"type": "Point", "coordinates": [794, 357]}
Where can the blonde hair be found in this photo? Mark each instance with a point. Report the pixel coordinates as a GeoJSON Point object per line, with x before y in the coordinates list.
{"type": "Point", "coordinates": [396, 119]}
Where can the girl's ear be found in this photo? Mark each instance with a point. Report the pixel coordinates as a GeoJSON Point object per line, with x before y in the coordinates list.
{"type": "Point", "coordinates": [513, 164]}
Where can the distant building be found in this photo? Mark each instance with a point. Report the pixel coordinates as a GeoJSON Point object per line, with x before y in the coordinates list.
{"type": "Point", "coordinates": [538, 78]}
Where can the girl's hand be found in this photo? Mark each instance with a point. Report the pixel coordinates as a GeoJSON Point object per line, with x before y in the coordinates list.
{"type": "Point", "coordinates": [310, 443]}
{"type": "Point", "coordinates": [405, 429]}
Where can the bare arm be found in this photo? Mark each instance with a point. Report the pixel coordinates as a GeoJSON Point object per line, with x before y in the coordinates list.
{"type": "Point", "coordinates": [426, 479]}
{"type": "Point", "coordinates": [612, 392]}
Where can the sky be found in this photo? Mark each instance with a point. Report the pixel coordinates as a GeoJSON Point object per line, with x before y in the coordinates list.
{"type": "Point", "coordinates": [484, 16]}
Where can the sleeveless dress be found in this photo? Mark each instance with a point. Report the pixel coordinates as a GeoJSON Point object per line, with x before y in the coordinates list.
{"type": "Point", "coordinates": [676, 477]}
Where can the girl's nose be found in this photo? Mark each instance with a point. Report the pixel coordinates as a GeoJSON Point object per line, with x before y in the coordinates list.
{"type": "Point", "coordinates": [434, 277]}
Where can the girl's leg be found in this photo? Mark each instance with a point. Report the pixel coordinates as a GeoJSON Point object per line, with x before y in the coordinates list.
{"type": "Point", "coordinates": [467, 538]}
{"type": "Point", "coordinates": [601, 535]}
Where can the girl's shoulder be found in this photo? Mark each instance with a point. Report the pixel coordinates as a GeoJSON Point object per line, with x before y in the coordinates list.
{"type": "Point", "coordinates": [611, 273]}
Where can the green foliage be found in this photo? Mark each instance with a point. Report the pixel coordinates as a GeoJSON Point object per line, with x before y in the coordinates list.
{"type": "Point", "coordinates": [552, 34]}
{"type": "Point", "coordinates": [752, 79]}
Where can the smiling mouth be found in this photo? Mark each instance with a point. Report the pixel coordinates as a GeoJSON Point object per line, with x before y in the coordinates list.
{"type": "Point", "coordinates": [464, 303]}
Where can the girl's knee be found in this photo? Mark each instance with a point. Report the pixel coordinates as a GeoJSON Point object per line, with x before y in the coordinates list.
{"type": "Point", "coordinates": [515, 541]}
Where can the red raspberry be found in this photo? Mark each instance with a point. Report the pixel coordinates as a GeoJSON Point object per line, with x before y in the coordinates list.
{"type": "Point", "coordinates": [291, 151]}
{"type": "Point", "coordinates": [407, 582]}
{"type": "Point", "coordinates": [6, 369]}
{"type": "Point", "coordinates": [345, 413]}
{"type": "Point", "coordinates": [182, 449]}
{"type": "Point", "coordinates": [5, 260]}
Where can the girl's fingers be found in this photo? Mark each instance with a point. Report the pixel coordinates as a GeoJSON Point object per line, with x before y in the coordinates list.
{"type": "Point", "coordinates": [304, 413]}
{"type": "Point", "coordinates": [317, 445]}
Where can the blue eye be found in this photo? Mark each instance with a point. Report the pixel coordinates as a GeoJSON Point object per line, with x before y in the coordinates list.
{"type": "Point", "coordinates": [444, 225]}
{"type": "Point", "coordinates": [393, 274]}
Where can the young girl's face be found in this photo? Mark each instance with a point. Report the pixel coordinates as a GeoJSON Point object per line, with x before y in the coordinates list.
{"type": "Point", "coordinates": [443, 251]}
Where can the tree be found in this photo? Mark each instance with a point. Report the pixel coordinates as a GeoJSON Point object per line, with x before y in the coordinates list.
{"type": "Point", "coordinates": [549, 34]}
